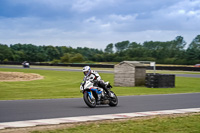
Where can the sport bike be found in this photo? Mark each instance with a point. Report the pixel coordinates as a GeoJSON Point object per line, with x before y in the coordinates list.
{"type": "Point", "coordinates": [94, 95]}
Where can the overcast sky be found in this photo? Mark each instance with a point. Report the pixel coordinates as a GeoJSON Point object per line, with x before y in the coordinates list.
{"type": "Point", "coordinates": [96, 23]}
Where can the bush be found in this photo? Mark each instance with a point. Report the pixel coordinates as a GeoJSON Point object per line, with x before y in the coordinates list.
{"type": "Point", "coordinates": [77, 58]}
{"type": "Point", "coordinates": [65, 58]}
{"type": "Point", "coordinates": [55, 61]}
{"type": "Point", "coordinates": [5, 60]}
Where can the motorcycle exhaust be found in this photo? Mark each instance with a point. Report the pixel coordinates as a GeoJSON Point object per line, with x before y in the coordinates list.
{"type": "Point", "coordinates": [105, 102]}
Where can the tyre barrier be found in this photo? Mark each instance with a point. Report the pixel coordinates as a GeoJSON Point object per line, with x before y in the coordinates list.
{"type": "Point", "coordinates": [160, 80]}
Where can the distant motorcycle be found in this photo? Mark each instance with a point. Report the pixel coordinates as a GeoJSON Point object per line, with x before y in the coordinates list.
{"type": "Point", "coordinates": [93, 95]}
{"type": "Point", "coordinates": [25, 64]}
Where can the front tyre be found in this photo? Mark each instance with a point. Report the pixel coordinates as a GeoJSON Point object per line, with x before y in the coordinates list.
{"type": "Point", "coordinates": [114, 100]}
{"type": "Point", "coordinates": [90, 102]}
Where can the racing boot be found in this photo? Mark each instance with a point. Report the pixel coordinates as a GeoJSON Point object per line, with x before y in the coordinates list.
{"type": "Point", "coordinates": [107, 91]}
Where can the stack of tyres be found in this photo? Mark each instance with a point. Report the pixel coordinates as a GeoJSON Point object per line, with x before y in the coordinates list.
{"type": "Point", "coordinates": [151, 80]}
{"type": "Point", "coordinates": [160, 80]}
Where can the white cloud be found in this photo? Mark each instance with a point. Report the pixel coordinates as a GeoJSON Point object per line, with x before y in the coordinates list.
{"type": "Point", "coordinates": [83, 6]}
{"type": "Point", "coordinates": [106, 25]}
{"type": "Point", "coordinates": [181, 11]}
{"type": "Point", "coordinates": [185, 7]}
{"type": "Point", "coordinates": [115, 17]}
{"type": "Point", "coordinates": [51, 3]}
{"type": "Point", "coordinates": [96, 23]}
{"type": "Point", "coordinates": [91, 20]}
{"type": "Point", "coordinates": [194, 14]}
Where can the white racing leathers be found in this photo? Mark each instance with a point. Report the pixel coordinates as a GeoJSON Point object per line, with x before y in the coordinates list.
{"type": "Point", "coordinates": [93, 76]}
{"type": "Point", "coordinates": [96, 78]}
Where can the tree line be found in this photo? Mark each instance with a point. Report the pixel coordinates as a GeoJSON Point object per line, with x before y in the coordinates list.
{"type": "Point", "coordinates": [176, 51]}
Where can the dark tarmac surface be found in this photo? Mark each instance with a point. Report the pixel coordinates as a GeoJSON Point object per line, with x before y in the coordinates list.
{"type": "Point", "coordinates": [20, 110]}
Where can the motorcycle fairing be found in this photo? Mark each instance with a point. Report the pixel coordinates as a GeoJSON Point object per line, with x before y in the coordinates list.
{"type": "Point", "coordinates": [95, 90]}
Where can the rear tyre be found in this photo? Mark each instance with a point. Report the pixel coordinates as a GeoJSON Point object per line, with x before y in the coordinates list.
{"type": "Point", "coordinates": [114, 100]}
{"type": "Point", "coordinates": [90, 102]}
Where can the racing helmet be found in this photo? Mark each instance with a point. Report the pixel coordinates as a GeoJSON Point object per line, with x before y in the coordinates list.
{"type": "Point", "coordinates": [86, 70]}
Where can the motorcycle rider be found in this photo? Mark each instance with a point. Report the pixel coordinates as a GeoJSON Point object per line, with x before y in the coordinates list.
{"type": "Point", "coordinates": [96, 78]}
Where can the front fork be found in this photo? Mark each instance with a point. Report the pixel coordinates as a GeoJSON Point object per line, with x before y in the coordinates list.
{"type": "Point", "coordinates": [90, 95]}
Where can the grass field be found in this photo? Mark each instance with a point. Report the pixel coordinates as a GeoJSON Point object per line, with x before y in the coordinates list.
{"type": "Point", "coordinates": [65, 84]}
{"type": "Point", "coordinates": [181, 124]}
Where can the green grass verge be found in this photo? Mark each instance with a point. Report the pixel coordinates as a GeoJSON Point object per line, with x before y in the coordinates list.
{"type": "Point", "coordinates": [65, 84]}
{"type": "Point", "coordinates": [184, 124]}
{"type": "Point", "coordinates": [58, 67]}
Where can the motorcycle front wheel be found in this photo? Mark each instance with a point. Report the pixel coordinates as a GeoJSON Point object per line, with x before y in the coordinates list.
{"type": "Point", "coordinates": [114, 100]}
{"type": "Point", "coordinates": [90, 102]}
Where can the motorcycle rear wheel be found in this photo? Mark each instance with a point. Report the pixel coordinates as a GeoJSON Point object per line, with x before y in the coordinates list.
{"type": "Point", "coordinates": [90, 102]}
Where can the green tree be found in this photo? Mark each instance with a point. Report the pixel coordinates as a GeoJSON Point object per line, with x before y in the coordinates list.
{"type": "Point", "coordinates": [5, 53]}
{"type": "Point", "coordinates": [195, 44]}
{"type": "Point", "coordinates": [193, 51]}
{"type": "Point", "coordinates": [77, 58]}
{"type": "Point", "coordinates": [109, 48]}
{"type": "Point", "coordinates": [29, 51]}
{"type": "Point", "coordinates": [52, 53]}
{"type": "Point", "coordinates": [120, 46]}
{"type": "Point", "coordinates": [65, 58]}
{"type": "Point", "coordinates": [19, 56]}
{"type": "Point", "coordinates": [134, 45]}
{"type": "Point", "coordinates": [179, 43]}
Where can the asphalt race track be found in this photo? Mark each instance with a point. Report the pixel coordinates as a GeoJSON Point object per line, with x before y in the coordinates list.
{"type": "Point", "coordinates": [20, 110]}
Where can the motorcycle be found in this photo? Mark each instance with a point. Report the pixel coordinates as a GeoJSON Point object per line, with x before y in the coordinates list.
{"type": "Point", "coordinates": [94, 95]}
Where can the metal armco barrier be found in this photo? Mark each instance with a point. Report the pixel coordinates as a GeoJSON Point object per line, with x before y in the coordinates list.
{"type": "Point", "coordinates": [104, 66]}
{"type": "Point", "coordinates": [175, 68]}
{"type": "Point", "coordinates": [160, 80]}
